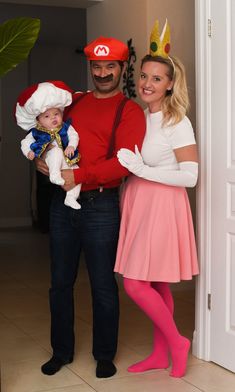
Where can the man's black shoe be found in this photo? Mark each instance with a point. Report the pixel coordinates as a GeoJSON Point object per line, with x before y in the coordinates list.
{"type": "Point", "coordinates": [54, 365]}
{"type": "Point", "coordinates": [105, 369]}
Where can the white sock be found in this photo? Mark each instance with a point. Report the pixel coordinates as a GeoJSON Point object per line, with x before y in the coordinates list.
{"type": "Point", "coordinates": [71, 202]}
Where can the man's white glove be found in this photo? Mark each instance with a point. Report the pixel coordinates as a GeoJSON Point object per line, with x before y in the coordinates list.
{"type": "Point", "coordinates": [185, 176]}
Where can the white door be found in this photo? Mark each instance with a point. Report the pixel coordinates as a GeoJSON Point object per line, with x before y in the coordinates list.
{"type": "Point", "coordinates": [222, 343]}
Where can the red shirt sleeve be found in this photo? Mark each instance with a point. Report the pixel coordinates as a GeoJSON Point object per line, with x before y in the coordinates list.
{"type": "Point", "coordinates": [131, 131]}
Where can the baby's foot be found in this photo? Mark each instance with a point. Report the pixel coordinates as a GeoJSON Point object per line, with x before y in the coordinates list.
{"type": "Point", "coordinates": [56, 179]}
{"type": "Point", "coordinates": [71, 202]}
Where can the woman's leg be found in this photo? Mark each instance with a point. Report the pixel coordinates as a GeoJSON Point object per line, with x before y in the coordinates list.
{"type": "Point", "coordinates": [152, 303]}
{"type": "Point", "coordinates": [159, 358]}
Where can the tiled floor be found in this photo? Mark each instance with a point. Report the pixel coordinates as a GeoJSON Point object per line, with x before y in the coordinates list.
{"type": "Point", "coordinates": [24, 332]}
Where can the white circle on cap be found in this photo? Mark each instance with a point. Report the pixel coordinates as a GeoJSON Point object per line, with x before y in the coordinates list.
{"type": "Point", "coordinates": [101, 50]}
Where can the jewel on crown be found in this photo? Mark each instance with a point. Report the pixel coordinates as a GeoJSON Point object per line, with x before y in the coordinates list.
{"type": "Point", "coordinates": [160, 45]}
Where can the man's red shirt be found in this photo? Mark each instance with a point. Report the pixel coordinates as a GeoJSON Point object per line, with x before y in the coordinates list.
{"type": "Point", "coordinates": [93, 120]}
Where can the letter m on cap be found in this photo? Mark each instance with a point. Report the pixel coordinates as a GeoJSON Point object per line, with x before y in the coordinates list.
{"type": "Point", "coordinates": [101, 50]}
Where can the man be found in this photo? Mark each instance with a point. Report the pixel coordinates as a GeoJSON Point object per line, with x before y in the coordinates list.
{"type": "Point", "coordinates": [103, 129]}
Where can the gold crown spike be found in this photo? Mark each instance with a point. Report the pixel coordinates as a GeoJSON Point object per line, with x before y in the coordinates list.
{"type": "Point", "coordinates": [160, 45]}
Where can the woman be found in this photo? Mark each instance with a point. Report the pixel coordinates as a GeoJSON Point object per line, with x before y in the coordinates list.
{"type": "Point", "coordinates": [156, 244]}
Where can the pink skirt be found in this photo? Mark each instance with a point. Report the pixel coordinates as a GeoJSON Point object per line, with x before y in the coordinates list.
{"type": "Point", "coordinates": [156, 240]}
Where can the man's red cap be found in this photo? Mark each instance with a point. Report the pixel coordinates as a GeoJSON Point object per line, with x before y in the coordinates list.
{"type": "Point", "coordinates": [106, 49]}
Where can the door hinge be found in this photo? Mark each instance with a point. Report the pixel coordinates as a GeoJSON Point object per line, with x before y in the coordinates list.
{"type": "Point", "coordinates": [209, 301]}
{"type": "Point", "coordinates": [209, 28]}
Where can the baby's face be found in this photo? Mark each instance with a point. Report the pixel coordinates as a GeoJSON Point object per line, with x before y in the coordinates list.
{"type": "Point", "coordinates": [51, 118]}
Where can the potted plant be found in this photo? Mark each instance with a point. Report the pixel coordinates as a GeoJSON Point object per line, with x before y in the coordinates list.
{"type": "Point", "coordinates": [17, 37]}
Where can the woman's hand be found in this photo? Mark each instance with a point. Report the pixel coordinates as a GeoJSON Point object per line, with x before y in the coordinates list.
{"type": "Point", "coordinates": [131, 160]}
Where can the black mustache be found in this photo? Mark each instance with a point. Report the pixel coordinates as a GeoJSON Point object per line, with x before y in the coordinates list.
{"type": "Point", "coordinates": [105, 79]}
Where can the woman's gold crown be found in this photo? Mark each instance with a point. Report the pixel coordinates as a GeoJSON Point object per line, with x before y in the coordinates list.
{"type": "Point", "coordinates": [160, 45]}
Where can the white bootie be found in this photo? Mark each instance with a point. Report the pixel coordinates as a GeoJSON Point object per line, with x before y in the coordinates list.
{"type": "Point", "coordinates": [71, 202]}
{"type": "Point", "coordinates": [56, 179]}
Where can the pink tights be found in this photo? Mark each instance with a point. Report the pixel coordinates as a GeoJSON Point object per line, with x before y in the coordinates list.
{"type": "Point", "coordinates": [155, 299]}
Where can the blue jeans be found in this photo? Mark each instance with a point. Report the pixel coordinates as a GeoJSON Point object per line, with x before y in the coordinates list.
{"type": "Point", "coordinates": [93, 229]}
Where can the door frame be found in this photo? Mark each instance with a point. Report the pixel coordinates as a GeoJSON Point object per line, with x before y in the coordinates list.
{"type": "Point", "coordinates": [201, 338]}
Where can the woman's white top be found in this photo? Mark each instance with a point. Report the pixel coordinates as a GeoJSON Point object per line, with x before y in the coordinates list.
{"type": "Point", "coordinates": [160, 142]}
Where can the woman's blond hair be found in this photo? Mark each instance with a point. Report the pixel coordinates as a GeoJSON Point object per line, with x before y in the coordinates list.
{"type": "Point", "coordinates": [176, 102]}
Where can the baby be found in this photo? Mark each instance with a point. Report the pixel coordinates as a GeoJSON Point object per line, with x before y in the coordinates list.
{"type": "Point", "coordinates": [39, 110]}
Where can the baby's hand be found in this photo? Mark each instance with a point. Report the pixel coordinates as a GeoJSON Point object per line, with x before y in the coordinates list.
{"type": "Point", "coordinates": [31, 155]}
{"type": "Point", "coordinates": [69, 151]}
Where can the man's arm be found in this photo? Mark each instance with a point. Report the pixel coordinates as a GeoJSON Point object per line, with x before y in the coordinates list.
{"type": "Point", "coordinates": [68, 177]}
{"type": "Point", "coordinates": [41, 166]}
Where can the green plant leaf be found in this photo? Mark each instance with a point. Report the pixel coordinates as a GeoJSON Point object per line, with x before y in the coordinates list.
{"type": "Point", "coordinates": [17, 37]}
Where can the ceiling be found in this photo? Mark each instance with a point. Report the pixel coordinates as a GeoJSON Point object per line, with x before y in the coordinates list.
{"type": "Point", "coordinates": [56, 3]}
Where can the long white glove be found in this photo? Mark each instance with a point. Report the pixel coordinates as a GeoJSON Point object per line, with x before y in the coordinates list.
{"type": "Point", "coordinates": [185, 176]}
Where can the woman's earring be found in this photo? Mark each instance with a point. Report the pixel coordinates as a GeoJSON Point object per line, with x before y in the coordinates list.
{"type": "Point", "coordinates": [169, 92]}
